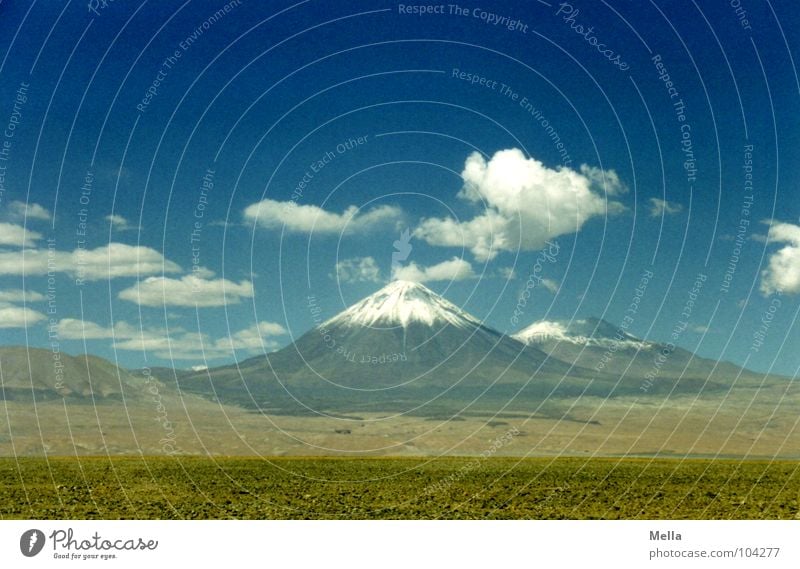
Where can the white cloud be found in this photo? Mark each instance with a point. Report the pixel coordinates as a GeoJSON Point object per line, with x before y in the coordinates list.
{"type": "Point", "coordinates": [189, 290]}
{"type": "Point", "coordinates": [783, 269]}
{"type": "Point", "coordinates": [120, 260]}
{"type": "Point", "coordinates": [21, 210]}
{"type": "Point", "coordinates": [119, 223]}
{"type": "Point", "coordinates": [358, 269]}
{"type": "Point", "coordinates": [662, 207]}
{"type": "Point", "coordinates": [604, 180]}
{"type": "Point", "coordinates": [525, 205]}
{"type": "Point", "coordinates": [453, 270]}
{"type": "Point", "coordinates": [18, 317]}
{"type": "Point", "coordinates": [75, 329]}
{"type": "Point", "coordinates": [202, 272]}
{"type": "Point", "coordinates": [178, 343]}
{"type": "Point", "coordinates": [110, 261]}
{"type": "Point", "coordinates": [19, 295]}
{"type": "Point", "coordinates": [17, 236]}
{"type": "Point", "coordinates": [550, 285]}
{"type": "Point", "coordinates": [508, 273]}
{"type": "Point", "coordinates": [254, 338]}
{"type": "Point", "coordinates": [485, 235]}
{"type": "Point", "coordinates": [271, 214]}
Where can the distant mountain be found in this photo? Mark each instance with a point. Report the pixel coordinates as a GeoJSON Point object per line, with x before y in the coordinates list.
{"type": "Point", "coordinates": [587, 332]}
{"type": "Point", "coordinates": [599, 345]}
{"type": "Point", "coordinates": [402, 345]}
{"type": "Point", "coordinates": [27, 373]}
{"type": "Point", "coordinates": [167, 375]}
{"type": "Point", "coordinates": [407, 348]}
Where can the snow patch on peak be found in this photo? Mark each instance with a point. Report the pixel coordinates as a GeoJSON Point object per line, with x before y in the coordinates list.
{"type": "Point", "coordinates": [580, 332]}
{"type": "Point", "coordinates": [543, 330]}
{"type": "Point", "coordinates": [402, 302]}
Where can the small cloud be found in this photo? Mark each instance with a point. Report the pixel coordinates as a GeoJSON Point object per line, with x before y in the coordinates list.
{"type": "Point", "coordinates": [178, 343]}
{"type": "Point", "coordinates": [659, 207]}
{"type": "Point", "coordinates": [19, 295]}
{"type": "Point", "coordinates": [358, 269]}
{"type": "Point", "coordinates": [189, 290]}
{"type": "Point", "coordinates": [19, 317]}
{"type": "Point", "coordinates": [119, 223]}
{"type": "Point", "coordinates": [271, 214]}
{"type": "Point", "coordinates": [255, 338]}
{"type": "Point", "coordinates": [17, 236]}
{"type": "Point", "coordinates": [699, 329]}
{"type": "Point", "coordinates": [453, 270]}
{"type": "Point", "coordinates": [604, 180]}
{"type": "Point", "coordinates": [550, 285]}
{"type": "Point", "coordinates": [110, 261]}
{"type": "Point", "coordinates": [202, 272]}
{"type": "Point", "coordinates": [75, 329]}
{"type": "Point", "coordinates": [507, 273]}
{"type": "Point", "coordinates": [21, 210]}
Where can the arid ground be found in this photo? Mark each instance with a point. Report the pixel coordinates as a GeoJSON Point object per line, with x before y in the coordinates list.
{"type": "Point", "coordinates": [408, 488]}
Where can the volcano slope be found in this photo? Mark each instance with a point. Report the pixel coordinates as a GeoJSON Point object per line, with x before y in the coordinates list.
{"type": "Point", "coordinates": [407, 349]}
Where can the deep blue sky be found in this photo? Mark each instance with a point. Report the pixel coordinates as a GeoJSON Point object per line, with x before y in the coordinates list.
{"type": "Point", "coordinates": [270, 87]}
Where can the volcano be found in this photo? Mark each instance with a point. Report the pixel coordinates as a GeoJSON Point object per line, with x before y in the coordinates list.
{"type": "Point", "coordinates": [404, 343]}
{"type": "Point", "coordinates": [405, 348]}
{"type": "Point", "coordinates": [652, 366]}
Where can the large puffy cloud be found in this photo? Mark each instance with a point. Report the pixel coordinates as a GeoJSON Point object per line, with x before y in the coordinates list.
{"type": "Point", "coordinates": [453, 270]}
{"type": "Point", "coordinates": [106, 262]}
{"type": "Point", "coordinates": [189, 290]}
{"type": "Point", "coordinates": [178, 343]}
{"type": "Point", "coordinates": [525, 204]}
{"type": "Point", "coordinates": [18, 317]}
{"type": "Point", "coordinates": [271, 214]}
{"type": "Point", "coordinates": [358, 269]}
{"type": "Point", "coordinates": [783, 268]}
{"type": "Point", "coordinates": [17, 236]}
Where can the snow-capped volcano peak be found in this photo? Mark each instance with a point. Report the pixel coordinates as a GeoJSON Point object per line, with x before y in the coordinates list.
{"type": "Point", "coordinates": [591, 331]}
{"type": "Point", "coordinates": [402, 302]}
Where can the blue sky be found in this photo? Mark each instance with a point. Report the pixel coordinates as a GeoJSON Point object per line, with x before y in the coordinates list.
{"type": "Point", "coordinates": [384, 111]}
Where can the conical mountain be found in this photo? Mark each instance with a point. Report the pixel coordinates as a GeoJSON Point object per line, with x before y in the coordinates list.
{"type": "Point", "coordinates": [402, 343]}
